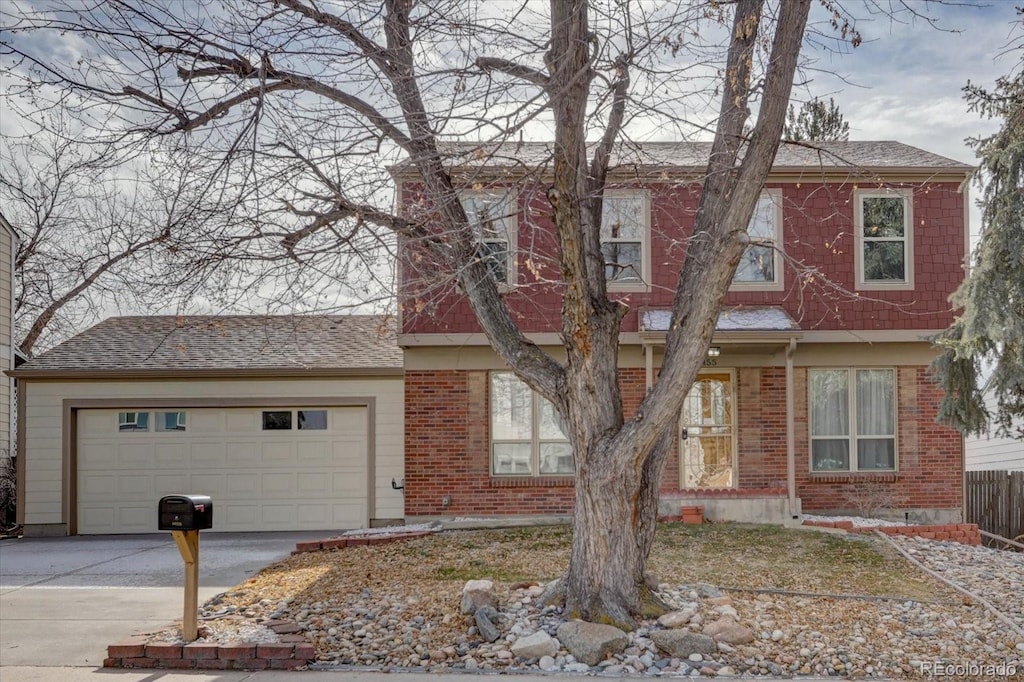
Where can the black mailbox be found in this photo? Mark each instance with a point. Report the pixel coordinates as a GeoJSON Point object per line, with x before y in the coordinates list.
{"type": "Point", "coordinates": [185, 512]}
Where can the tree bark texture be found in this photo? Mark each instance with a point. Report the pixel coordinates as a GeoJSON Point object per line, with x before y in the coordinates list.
{"type": "Point", "coordinates": [619, 464]}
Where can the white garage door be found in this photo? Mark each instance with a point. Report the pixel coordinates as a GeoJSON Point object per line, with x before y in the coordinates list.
{"type": "Point", "coordinates": [274, 468]}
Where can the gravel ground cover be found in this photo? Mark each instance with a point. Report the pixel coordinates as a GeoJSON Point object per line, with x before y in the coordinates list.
{"type": "Point", "coordinates": [397, 606]}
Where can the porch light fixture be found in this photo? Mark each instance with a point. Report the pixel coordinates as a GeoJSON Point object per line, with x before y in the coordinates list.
{"type": "Point", "coordinates": [714, 351]}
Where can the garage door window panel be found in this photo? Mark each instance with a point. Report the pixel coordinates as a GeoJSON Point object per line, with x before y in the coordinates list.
{"type": "Point", "coordinates": [277, 420]}
{"type": "Point", "coordinates": [132, 421]}
{"type": "Point", "coordinates": [171, 421]}
{"type": "Point", "coordinates": [312, 420]}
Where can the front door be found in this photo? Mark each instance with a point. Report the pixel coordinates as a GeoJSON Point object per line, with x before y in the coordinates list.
{"type": "Point", "coordinates": [707, 434]}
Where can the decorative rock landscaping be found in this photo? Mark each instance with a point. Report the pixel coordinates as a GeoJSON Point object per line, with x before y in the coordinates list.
{"type": "Point", "coordinates": [709, 632]}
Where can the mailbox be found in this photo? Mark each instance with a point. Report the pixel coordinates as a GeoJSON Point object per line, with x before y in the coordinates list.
{"type": "Point", "coordinates": [185, 512]}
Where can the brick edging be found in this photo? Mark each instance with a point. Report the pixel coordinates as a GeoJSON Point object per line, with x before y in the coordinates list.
{"type": "Point", "coordinates": [964, 533]}
{"type": "Point", "coordinates": [344, 541]}
{"type": "Point", "coordinates": [139, 652]}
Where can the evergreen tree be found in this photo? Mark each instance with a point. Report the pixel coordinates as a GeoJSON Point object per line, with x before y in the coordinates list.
{"type": "Point", "coordinates": [816, 122]}
{"type": "Point", "coordinates": [990, 328]}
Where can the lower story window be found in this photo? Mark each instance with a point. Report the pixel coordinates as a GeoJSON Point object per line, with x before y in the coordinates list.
{"type": "Point", "coordinates": [527, 435]}
{"type": "Point", "coordinates": [853, 419]}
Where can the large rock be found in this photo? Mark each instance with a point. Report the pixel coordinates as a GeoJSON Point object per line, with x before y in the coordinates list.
{"type": "Point", "coordinates": [591, 643]}
{"type": "Point", "coordinates": [477, 594]}
{"type": "Point", "coordinates": [552, 595]}
{"type": "Point", "coordinates": [682, 643]}
{"type": "Point", "coordinates": [486, 625]}
{"type": "Point", "coordinates": [729, 631]}
{"type": "Point", "coordinates": [676, 619]}
{"type": "Point", "coordinates": [537, 645]}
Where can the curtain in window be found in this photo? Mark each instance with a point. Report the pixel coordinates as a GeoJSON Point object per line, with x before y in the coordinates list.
{"type": "Point", "coordinates": [830, 420]}
{"type": "Point", "coordinates": [876, 443]}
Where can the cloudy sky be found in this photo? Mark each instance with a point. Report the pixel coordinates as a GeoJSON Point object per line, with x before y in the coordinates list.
{"type": "Point", "coordinates": [905, 82]}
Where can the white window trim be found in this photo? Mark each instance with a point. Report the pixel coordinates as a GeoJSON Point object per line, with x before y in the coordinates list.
{"type": "Point", "coordinates": [779, 284]}
{"type": "Point", "coordinates": [853, 436]}
{"type": "Point", "coordinates": [645, 241]}
{"type": "Point", "coordinates": [908, 238]}
{"type": "Point", "coordinates": [513, 229]}
{"type": "Point", "coordinates": [535, 439]}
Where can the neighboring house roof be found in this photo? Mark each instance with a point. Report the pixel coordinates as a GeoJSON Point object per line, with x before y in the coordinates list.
{"type": "Point", "coordinates": [5, 224]}
{"type": "Point", "coordinates": [861, 155]}
{"type": "Point", "coordinates": [734, 319]}
{"type": "Point", "coordinates": [217, 345]}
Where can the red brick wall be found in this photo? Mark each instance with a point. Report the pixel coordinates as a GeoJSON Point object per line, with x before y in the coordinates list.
{"type": "Point", "coordinates": [817, 230]}
{"type": "Point", "coordinates": [447, 447]}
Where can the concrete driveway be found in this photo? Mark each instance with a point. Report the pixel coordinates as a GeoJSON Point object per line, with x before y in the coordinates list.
{"type": "Point", "coordinates": [63, 600]}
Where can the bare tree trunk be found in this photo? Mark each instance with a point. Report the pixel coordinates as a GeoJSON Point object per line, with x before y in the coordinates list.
{"type": "Point", "coordinates": [613, 533]}
{"type": "Point", "coordinates": [619, 464]}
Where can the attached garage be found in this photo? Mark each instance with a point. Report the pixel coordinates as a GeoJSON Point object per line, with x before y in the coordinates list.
{"type": "Point", "coordinates": [287, 423]}
{"type": "Point", "coordinates": [280, 479]}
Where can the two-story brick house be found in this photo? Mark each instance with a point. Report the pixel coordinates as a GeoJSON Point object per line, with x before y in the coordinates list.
{"type": "Point", "coordinates": [816, 392]}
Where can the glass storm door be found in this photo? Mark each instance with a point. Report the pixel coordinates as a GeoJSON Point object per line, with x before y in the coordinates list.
{"type": "Point", "coordinates": [706, 436]}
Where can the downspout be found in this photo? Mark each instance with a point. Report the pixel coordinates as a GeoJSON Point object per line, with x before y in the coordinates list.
{"type": "Point", "coordinates": [649, 365]}
{"type": "Point", "coordinates": [791, 430]}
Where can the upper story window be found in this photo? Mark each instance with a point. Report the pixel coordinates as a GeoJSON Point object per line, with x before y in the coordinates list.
{"type": "Point", "coordinates": [884, 228]}
{"type": "Point", "coordinates": [625, 230]}
{"type": "Point", "coordinates": [760, 267]}
{"type": "Point", "coordinates": [527, 435]}
{"type": "Point", "coordinates": [491, 214]}
{"type": "Point", "coordinates": [853, 420]}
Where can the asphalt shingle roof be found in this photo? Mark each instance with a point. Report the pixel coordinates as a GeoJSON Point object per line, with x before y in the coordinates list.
{"type": "Point", "coordinates": [877, 155]}
{"type": "Point", "coordinates": [168, 343]}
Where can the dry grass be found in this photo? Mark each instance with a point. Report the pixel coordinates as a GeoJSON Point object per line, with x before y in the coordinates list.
{"type": "Point", "coordinates": [431, 571]}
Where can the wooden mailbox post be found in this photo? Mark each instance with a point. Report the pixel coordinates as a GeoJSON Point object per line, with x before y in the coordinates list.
{"type": "Point", "coordinates": [185, 516]}
{"type": "Point", "coordinates": [188, 546]}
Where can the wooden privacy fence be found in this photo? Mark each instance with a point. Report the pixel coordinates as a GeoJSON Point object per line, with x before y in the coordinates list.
{"type": "Point", "coordinates": [995, 501]}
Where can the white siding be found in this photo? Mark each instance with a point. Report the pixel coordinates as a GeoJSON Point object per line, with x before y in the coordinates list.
{"type": "Point", "coordinates": [44, 428]}
{"type": "Point", "coordinates": [991, 452]}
